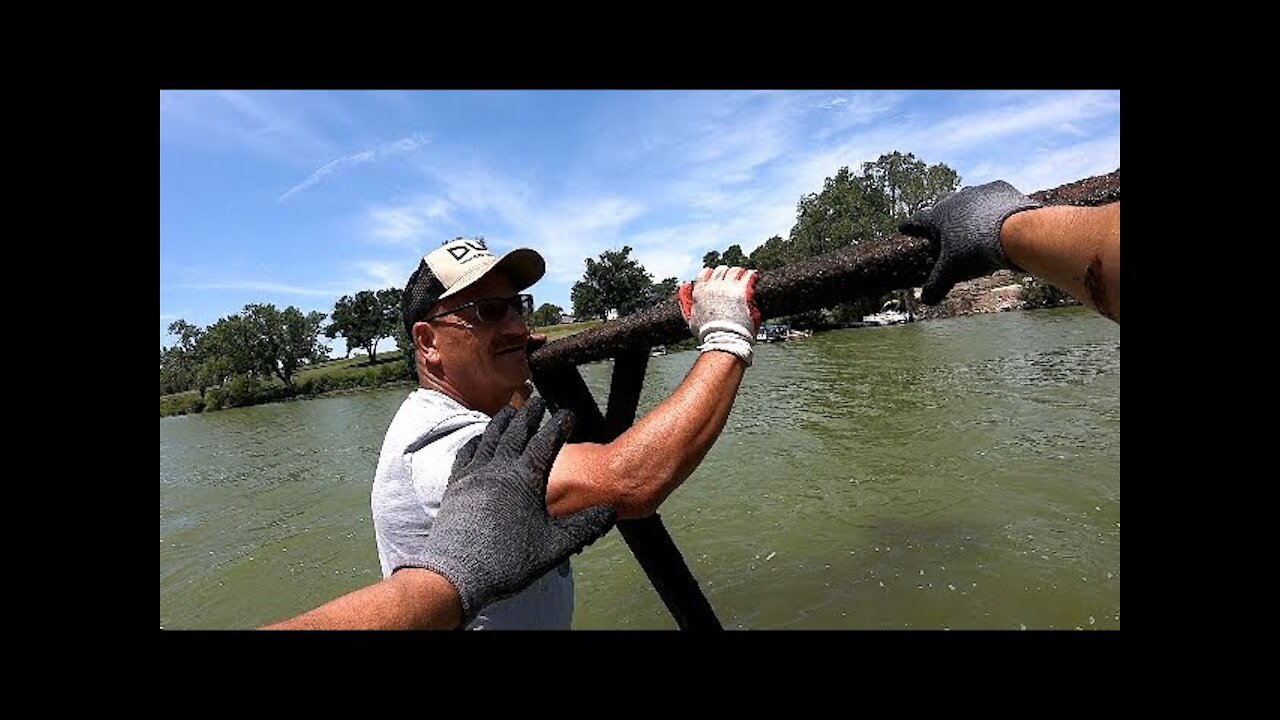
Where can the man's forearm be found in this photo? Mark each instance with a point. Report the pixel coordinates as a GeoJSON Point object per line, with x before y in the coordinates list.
{"type": "Point", "coordinates": [639, 469]}
{"type": "Point", "coordinates": [1077, 249]}
{"type": "Point", "coordinates": [411, 599]}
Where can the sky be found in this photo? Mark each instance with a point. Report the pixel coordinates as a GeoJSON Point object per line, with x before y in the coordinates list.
{"type": "Point", "coordinates": [300, 197]}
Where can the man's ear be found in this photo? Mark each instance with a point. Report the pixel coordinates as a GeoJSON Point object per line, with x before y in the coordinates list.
{"type": "Point", "coordinates": [424, 341]}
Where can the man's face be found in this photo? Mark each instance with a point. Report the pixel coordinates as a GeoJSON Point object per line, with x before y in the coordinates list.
{"type": "Point", "coordinates": [484, 361]}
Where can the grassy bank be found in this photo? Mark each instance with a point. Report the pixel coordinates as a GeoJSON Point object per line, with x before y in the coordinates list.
{"type": "Point", "coordinates": [332, 376]}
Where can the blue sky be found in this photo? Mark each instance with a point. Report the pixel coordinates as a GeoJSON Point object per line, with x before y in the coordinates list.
{"type": "Point", "coordinates": [300, 197]}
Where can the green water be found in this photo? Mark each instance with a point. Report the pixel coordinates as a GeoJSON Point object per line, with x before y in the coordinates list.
{"type": "Point", "coordinates": [960, 473]}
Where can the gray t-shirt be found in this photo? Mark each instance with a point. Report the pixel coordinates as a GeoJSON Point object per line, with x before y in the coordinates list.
{"type": "Point", "coordinates": [417, 458]}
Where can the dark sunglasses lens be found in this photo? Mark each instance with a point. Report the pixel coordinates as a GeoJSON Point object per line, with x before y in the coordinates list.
{"type": "Point", "coordinates": [492, 310]}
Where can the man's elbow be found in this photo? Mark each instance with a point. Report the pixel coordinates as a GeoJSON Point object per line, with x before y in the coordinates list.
{"type": "Point", "coordinates": [636, 506]}
{"type": "Point", "coordinates": [633, 492]}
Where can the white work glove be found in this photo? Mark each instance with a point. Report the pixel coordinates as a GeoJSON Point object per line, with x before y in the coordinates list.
{"type": "Point", "coordinates": [720, 308]}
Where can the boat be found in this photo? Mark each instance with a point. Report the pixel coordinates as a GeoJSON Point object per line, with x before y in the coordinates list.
{"type": "Point", "coordinates": [890, 314]}
{"type": "Point", "coordinates": [772, 333]}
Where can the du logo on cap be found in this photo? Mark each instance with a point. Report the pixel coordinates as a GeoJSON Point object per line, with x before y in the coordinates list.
{"type": "Point", "coordinates": [464, 251]}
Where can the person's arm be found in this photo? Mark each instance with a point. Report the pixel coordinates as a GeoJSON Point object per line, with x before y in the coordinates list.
{"type": "Point", "coordinates": [989, 227]}
{"type": "Point", "coordinates": [491, 539]}
{"type": "Point", "coordinates": [639, 469]}
{"type": "Point", "coordinates": [411, 599]}
{"type": "Point", "coordinates": [1076, 249]}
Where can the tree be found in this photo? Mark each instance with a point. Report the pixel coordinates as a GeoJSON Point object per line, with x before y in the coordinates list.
{"type": "Point", "coordinates": [279, 340]}
{"type": "Point", "coordinates": [734, 257]}
{"type": "Point", "coordinates": [227, 349]}
{"type": "Point", "coordinates": [365, 319]}
{"type": "Point", "coordinates": [664, 290]}
{"type": "Point", "coordinates": [179, 363]}
{"type": "Point", "coordinates": [774, 253]}
{"type": "Point", "coordinates": [846, 212]}
{"type": "Point", "coordinates": [405, 343]}
{"type": "Point", "coordinates": [615, 281]}
{"type": "Point", "coordinates": [545, 315]}
{"type": "Point", "coordinates": [908, 183]}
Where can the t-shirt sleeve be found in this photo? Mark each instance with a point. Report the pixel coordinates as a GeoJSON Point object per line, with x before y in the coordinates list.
{"type": "Point", "coordinates": [433, 464]}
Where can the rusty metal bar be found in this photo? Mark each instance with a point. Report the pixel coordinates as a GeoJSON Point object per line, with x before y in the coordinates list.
{"type": "Point", "coordinates": [624, 391]}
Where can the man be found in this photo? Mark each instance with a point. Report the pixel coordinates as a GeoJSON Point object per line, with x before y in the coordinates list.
{"type": "Point", "coordinates": [989, 227]}
{"type": "Point", "coordinates": [462, 310]}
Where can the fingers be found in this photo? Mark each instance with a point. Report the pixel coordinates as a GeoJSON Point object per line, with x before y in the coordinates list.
{"type": "Point", "coordinates": [536, 340]}
{"type": "Point", "coordinates": [752, 278]}
{"type": "Point", "coordinates": [685, 298]}
{"type": "Point", "coordinates": [541, 452]}
{"type": "Point", "coordinates": [937, 286]}
{"type": "Point", "coordinates": [464, 455]}
{"type": "Point", "coordinates": [492, 434]}
{"type": "Point", "coordinates": [522, 427]}
{"type": "Point", "coordinates": [720, 272]}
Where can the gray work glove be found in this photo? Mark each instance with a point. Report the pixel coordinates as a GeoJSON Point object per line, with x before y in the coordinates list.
{"type": "Point", "coordinates": [720, 307]}
{"type": "Point", "coordinates": [964, 228]}
{"type": "Point", "coordinates": [493, 537]}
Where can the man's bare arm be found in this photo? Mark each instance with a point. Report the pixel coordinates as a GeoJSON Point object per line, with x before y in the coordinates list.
{"type": "Point", "coordinates": [639, 469]}
{"type": "Point", "coordinates": [1076, 249]}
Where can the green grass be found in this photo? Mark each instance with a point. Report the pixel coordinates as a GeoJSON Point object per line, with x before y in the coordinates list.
{"type": "Point", "coordinates": [357, 365]}
{"type": "Point", "coordinates": [182, 403]}
{"type": "Point", "coordinates": [556, 332]}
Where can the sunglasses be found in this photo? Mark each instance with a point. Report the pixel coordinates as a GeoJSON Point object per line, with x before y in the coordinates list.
{"type": "Point", "coordinates": [494, 309]}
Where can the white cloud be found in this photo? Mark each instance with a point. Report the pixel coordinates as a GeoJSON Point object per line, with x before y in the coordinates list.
{"type": "Point", "coordinates": [417, 221]}
{"type": "Point", "coordinates": [992, 124]}
{"type": "Point", "coordinates": [1051, 168]}
{"type": "Point", "coordinates": [379, 275]}
{"type": "Point", "coordinates": [403, 145]}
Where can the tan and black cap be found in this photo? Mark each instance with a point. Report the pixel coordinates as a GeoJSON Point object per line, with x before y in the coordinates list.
{"type": "Point", "coordinates": [458, 264]}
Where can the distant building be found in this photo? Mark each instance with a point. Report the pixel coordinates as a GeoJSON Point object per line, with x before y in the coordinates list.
{"type": "Point", "coordinates": [612, 314]}
{"type": "Point", "coordinates": [567, 319]}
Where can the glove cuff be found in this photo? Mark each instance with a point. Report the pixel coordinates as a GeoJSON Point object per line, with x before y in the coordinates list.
{"type": "Point", "coordinates": [455, 574]}
{"type": "Point", "coordinates": [726, 326]}
{"type": "Point", "coordinates": [998, 256]}
{"type": "Point", "coordinates": [732, 342]}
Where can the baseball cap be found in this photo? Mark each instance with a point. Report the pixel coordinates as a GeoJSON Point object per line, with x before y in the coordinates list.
{"type": "Point", "coordinates": [458, 264]}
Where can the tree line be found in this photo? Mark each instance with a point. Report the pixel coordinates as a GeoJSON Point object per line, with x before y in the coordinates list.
{"type": "Point", "coordinates": [262, 341]}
